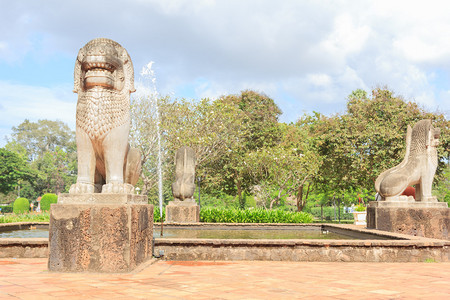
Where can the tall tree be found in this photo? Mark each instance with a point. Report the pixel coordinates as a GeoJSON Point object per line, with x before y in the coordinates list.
{"type": "Point", "coordinates": [286, 168]}
{"type": "Point", "coordinates": [259, 129]}
{"type": "Point", "coordinates": [43, 135]}
{"type": "Point", "coordinates": [50, 149]}
{"type": "Point", "coordinates": [13, 170]}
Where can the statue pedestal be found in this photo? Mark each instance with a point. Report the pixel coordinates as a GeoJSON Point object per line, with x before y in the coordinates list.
{"type": "Point", "coordinates": [427, 219]}
{"type": "Point", "coordinates": [182, 212]}
{"type": "Point", "coordinates": [109, 233]}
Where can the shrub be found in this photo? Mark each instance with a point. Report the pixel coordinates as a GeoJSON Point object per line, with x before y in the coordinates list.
{"type": "Point", "coordinates": [259, 215]}
{"type": "Point", "coordinates": [328, 213]}
{"type": "Point", "coordinates": [7, 209]}
{"type": "Point", "coordinates": [157, 215]}
{"type": "Point", "coordinates": [360, 207]}
{"type": "Point", "coordinates": [46, 200]}
{"type": "Point", "coordinates": [21, 205]}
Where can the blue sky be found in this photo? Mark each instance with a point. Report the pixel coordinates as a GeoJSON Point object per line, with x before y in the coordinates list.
{"type": "Point", "coordinates": [306, 55]}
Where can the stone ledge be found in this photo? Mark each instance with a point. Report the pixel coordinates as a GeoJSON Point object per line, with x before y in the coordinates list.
{"type": "Point", "coordinates": [402, 204]}
{"type": "Point", "coordinates": [99, 198]}
{"type": "Point", "coordinates": [425, 243]}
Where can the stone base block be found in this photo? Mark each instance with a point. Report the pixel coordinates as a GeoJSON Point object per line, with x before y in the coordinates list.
{"type": "Point", "coordinates": [427, 220]}
{"type": "Point", "coordinates": [108, 238]}
{"type": "Point", "coordinates": [182, 212]}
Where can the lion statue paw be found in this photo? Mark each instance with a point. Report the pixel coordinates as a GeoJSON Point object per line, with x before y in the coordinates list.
{"type": "Point", "coordinates": [117, 188]}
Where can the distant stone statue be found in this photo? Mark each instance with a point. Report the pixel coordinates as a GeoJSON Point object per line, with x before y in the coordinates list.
{"type": "Point", "coordinates": [184, 186]}
{"type": "Point", "coordinates": [104, 79]}
{"type": "Point", "coordinates": [417, 168]}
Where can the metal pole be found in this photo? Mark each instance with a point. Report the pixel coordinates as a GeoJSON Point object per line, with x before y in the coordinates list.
{"type": "Point", "coordinates": [199, 179]}
{"type": "Point", "coordinates": [334, 205]}
{"type": "Point", "coordinates": [339, 210]}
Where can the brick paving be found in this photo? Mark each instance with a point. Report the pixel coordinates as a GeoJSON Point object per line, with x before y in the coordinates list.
{"type": "Point", "coordinates": [29, 279]}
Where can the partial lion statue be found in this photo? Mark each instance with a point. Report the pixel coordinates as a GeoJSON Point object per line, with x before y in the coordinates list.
{"type": "Point", "coordinates": [104, 79]}
{"type": "Point", "coordinates": [417, 168]}
{"type": "Point", "coordinates": [184, 186]}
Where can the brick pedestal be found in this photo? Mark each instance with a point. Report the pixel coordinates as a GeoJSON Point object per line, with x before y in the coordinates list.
{"type": "Point", "coordinates": [182, 212]}
{"type": "Point", "coordinates": [428, 219]}
{"type": "Point", "coordinates": [112, 235]}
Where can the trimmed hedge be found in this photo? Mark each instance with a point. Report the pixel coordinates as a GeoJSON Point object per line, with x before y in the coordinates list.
{"type": "Point", "coordinates": [258, 215]}
{"type": "Point", "coordinates": [48, 199]}
{"type": "Point", "coordinates": [21, 205]}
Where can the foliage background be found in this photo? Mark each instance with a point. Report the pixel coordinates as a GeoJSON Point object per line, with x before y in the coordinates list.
{"type": "Point", "coordinates": [246, 158]}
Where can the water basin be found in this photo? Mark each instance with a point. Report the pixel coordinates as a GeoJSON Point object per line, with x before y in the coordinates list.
{"type": "Point", "coordinates": [25, 233]}
{"type": "Point", "coordinates": [262, 232]}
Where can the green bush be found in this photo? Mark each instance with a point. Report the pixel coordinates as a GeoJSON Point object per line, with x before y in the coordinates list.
{"type": "Point", "coordinates": [157, 215]}
{"type": "Point", "coordinates": [258, 215]}
{"type": "Point", "coordinates": [7, 209]}
{"type": "Point", "coordinates": [21, 205]}
{"type": "Point", "coordinates": [328, 213]}
{"type": "Point", "coordinates": [360, 207]}
{"type": "Point", "coordinates": [46, 200]}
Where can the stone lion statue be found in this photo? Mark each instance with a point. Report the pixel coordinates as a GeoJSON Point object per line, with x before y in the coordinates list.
{"type": "Point", "coordinates": [104, 79]}
{"type": "Point", "coordinates": [417, 168]}
{"type": "Point", "coordinates": [184, 186]}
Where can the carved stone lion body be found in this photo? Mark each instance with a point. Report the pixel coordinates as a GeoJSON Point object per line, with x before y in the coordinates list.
{"type": "Point", "coordinates": [184, 186]}
{"type": "Point", "coordinates": [417, 168]}
{"type": "Point", "coordinates": [104, 79]}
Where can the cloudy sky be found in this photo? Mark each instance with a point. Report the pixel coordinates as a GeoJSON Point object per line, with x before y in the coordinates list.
{"type": "Point", "coordinates": [306, 55]}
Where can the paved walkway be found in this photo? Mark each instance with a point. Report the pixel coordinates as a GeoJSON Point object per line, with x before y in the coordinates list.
{"type": "Point", "coordinates": [29, 279]}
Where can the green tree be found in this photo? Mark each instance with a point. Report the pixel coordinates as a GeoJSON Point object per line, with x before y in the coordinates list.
{"type": "Point", "coordinates": [287, 167]}
{"type": "Point", "coordinates": [56, 171]}
{"type": "Point", "coordinates": [13, 169]}
{"type": "Point", "coordinates": [442, 187]}
{"type": "Point", "coordinates": [42, 136]}
{"type": "Point", "coordinates": [49, 147]}
{"type": "Point", "coordinates": [259, 129]}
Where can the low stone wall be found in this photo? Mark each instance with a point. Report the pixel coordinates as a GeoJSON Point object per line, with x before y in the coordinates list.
{"type": "Point", "coordinates": [302, 250]}
{"type": "Point", "coordinates": [401, 248]}
{"type": "Point", "coordinates": [23, 248]}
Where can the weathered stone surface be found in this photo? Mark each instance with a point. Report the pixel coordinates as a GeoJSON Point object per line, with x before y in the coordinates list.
{"type": "Point", "coordinates": [429, 221]}
{"type": "Point", "coordinates": [182, 212]}
{"type": "Point", "coordinates": [102, 199]}
{"type": "Point", "coordinates": [104, 79]}
{"type": "Point", "coordinates": [303, 250]}
{"type": "Point", "coordinates": [99, 237]}
{"type": "Point", "coordinates": [24, 248]}
{"type": "Point", "coordinates": [417, 168]}
{"type": "Point", "coordinates": [184, 186]}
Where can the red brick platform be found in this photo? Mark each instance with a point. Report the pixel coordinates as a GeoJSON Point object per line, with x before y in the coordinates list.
{"type": "Point", "coordinates": [29, 279]}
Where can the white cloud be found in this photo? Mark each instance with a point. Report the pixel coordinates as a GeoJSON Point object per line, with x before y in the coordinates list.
{"type": "Point", "coordinates": [20, 102]}
{"type": "Point", "coordinates": [307, 55]}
